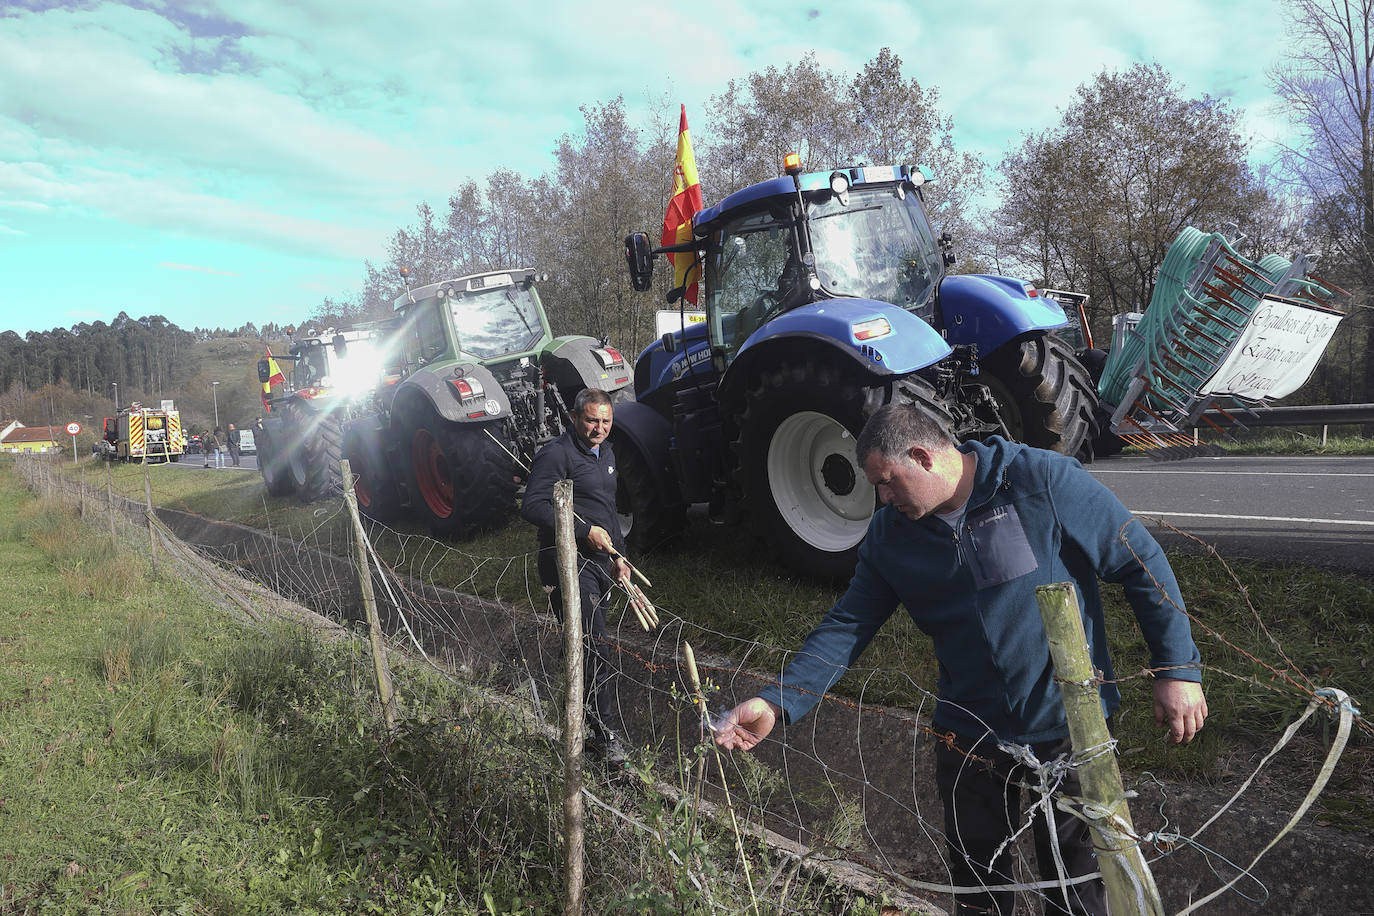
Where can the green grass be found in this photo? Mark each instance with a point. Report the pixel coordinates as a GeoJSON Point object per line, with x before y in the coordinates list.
{"type": "Point", "coordinates": [156, 756]}
{"type": "Point", "coordinates": [1266, 442]}
{"type": "Point", "coordinates": [1285, 442]}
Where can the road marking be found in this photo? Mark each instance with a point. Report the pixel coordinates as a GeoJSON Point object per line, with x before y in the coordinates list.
{"type": "Point", "coordinates": [1096, 473]}
{"type": "Point", "coordinates": [1251, 518]}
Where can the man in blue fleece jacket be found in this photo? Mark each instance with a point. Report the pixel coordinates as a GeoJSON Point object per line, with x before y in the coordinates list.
{"type": "Point", "coordinates": [965, 535]}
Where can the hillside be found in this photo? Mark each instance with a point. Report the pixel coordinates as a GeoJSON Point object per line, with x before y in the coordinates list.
{"type": "Point", "coordinates": [231, 361]}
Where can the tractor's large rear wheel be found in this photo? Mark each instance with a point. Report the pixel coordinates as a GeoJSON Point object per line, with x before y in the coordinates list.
{"type": "Point", "coordinates": [802, 480]}
{"type": "Point", "coordinates": [373, 484]}
{"type": "Point", "coordinates": [1044, 395]}
{"type": "Point", "coordinates": [313, 464]}
{"type": "Point", "coordinates": [460, 478]}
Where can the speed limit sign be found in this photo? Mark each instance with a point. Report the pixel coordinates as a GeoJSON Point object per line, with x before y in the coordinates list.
{"type": "Point", "coordinates": [73, 429]}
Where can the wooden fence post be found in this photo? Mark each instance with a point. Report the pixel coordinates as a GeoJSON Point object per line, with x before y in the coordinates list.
{"type": "Point", "coordinates": [109, 500]}
{"type": "Point", "coordinates": [574, 708]}
{"type": "Point", "coordinates": [148, 494]}
{"type": "Point", "coordinates": [385, 691]}
{"type": "Point", "coordinates": [1130, 886]}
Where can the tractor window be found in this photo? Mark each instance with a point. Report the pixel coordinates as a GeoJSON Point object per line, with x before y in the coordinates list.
{"type": "Point", "coordinates": [750, 275]}
{"type": "Point", "coordinates": [312, 367]}
{"type": "Point", "coordinates": [878, 246]}
{"type": "Point", "coordinates": [425, 339]}
{"type": "Point", "coordinates": [498, 321]}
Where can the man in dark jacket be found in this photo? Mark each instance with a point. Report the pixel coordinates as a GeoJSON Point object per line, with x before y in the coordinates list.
{"type": "Point", "coordinates": [965, 536]}
{"type": "Point", "coordinates": [233, 442]}
{"type": "Point", "coordinates": [584, 456]}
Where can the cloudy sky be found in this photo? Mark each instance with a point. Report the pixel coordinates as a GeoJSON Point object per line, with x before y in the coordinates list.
{"type": "Point", "coordinates": [220, 162]}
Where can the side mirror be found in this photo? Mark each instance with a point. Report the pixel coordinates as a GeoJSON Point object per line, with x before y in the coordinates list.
{"type": "Point", "coordinates": [639, 260]}
{"type": "Point", "coordinates": [264, 373]}
{"type": "Point", "coordinates": [947, 248]}
{"type": "Point", "coordinates": [340, 346]}
{"type": "Point", "coordinates": [669, 342]}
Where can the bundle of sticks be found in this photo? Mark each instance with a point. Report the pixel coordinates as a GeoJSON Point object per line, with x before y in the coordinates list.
{"type": "Point", "coordinates": [639, 602]}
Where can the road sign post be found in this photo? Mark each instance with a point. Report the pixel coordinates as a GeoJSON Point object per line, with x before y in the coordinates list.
{"type": "Point", "coordinates": [72, 429]}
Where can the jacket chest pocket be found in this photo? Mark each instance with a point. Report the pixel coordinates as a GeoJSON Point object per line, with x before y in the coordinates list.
{"type": "Point", "coordinates": [999, 550]}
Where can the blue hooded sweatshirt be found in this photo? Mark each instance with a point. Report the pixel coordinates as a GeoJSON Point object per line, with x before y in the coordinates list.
{"type": "Point", "coordinates": [1034, 518]}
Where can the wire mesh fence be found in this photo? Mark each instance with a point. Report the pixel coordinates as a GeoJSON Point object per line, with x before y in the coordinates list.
{"type": "Point", "coordinates": [842, 805]}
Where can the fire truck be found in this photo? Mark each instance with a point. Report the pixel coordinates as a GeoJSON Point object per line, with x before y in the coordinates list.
{"type": "Point", "coordinates": [140, 432]}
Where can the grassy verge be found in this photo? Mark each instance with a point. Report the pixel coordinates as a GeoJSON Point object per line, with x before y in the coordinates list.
{"type": "Point", "coordinates": [1282, 443]}
{"type": "Point", "coordinates": [156, 756]}
{"type": "Point", "coordinates": [1288, 442]}
{"type": "Point", "coordinates": [728, 581]}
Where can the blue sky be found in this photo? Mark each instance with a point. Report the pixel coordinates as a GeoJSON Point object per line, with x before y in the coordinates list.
{"type": "Point", "coordinates": [223, 162]}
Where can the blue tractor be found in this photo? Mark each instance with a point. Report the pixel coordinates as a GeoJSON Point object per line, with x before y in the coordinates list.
{"type": "Point", "coordinates": [826, 297]}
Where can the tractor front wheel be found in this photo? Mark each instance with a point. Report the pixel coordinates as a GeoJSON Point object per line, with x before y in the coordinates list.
{"type": "Point", "coordinates": [272, 462]}
{"type": "Point", "coordinates": [1044, 395]}
{"type": "Point", "coordinates": [802, 480]}
{"type": "Point", "coordinates": [646, 521]}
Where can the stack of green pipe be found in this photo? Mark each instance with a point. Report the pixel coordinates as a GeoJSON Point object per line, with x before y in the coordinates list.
{"type": "Point", "coordinates": [1186, 331]}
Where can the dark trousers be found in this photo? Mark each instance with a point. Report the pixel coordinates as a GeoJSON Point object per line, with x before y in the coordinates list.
{"type": "Point", "coordinates": [234, 454]}
{"type": "Point", "coordinates": [984, 805]}
{"type": "Point", "coordinates": [598, 676]}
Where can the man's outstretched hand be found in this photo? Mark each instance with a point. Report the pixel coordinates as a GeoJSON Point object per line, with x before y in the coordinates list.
{"type": "Point", "coordinates": [1181, 707]}
{"type": "Point", "coordinates": [747, 724]}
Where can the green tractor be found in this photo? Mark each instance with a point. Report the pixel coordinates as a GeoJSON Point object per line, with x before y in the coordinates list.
{"type": "Point", "coordinates": [481, 384]}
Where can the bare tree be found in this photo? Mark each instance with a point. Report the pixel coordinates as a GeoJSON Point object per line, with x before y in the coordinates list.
{"type": "Point", "coordinates": [1327, 83]}
{"type": "Point", "coordinates": [1094, 203]}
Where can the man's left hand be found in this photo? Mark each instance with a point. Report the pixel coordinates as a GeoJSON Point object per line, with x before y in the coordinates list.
{"type": "Point", "coordinates": [1181, 706]}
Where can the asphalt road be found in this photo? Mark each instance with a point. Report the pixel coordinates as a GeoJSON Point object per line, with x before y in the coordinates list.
{"type": "Point", "coordinates": [1317, 511]}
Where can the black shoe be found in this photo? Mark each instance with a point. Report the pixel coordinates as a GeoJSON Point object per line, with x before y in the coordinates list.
{"type": "Point", "coordinates": [606, 745]}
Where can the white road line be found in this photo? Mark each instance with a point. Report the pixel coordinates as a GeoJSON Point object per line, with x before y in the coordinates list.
{"type": "Point", "coordinates": [1097, 473]}
{"type": "Point", "coordinates": [1251, 518]}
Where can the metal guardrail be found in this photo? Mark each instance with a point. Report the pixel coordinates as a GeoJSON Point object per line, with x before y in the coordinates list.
{"type": "Point", "coordinates": [1314, 415]}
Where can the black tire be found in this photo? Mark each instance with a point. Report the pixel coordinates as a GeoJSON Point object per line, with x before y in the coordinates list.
{"type": "Point", "coordinates": [799, 428]}
{"type": "Point", "coordinates": [313, 465]}
{"type": "Point", "coordinates": [646, 521]}
{"type": "Point", "coordinates": [460, 481]}
{"type": "Point", "coordinates": [272, 463]}
{"type": "Point", "coordinates": [373, 485]}
{"type": "Point", "coordinates": [1044, 395]}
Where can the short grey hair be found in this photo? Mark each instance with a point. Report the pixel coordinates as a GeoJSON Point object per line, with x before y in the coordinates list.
{"type": "Point", "coordinates": [895, 428]}
{"type": "Point", "coordinates": [589, 396]}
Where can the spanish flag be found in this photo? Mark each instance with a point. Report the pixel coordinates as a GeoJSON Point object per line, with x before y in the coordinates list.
{"type": "Point", "coordinates": [275, 377]}
{"type": "Point", "coordinates": [677, 222]}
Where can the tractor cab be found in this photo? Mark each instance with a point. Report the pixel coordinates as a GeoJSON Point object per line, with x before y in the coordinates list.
{"type": "Point", "coordinates": [857, 233]}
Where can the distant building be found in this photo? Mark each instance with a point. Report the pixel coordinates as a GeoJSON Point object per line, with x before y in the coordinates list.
{"type": "Point", "coordinates": [33, 439]}
{"type": "Point", "coordinates": [7, 427]}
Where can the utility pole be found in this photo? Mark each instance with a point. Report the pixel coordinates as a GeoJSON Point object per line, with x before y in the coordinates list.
{"type": "Point", "coordinates": [116, 390]}
{"type": "Point", "coordinates": [214, 390]}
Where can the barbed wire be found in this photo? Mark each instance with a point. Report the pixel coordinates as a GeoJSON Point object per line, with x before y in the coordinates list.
{"type": "Point", "coordinates": [851, 785]}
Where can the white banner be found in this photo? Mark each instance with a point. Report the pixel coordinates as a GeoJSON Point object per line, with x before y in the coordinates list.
{"type": "Point", "coordinates": [1276, 352]}
{"type": "Point", "coordinates": [671, 321]}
